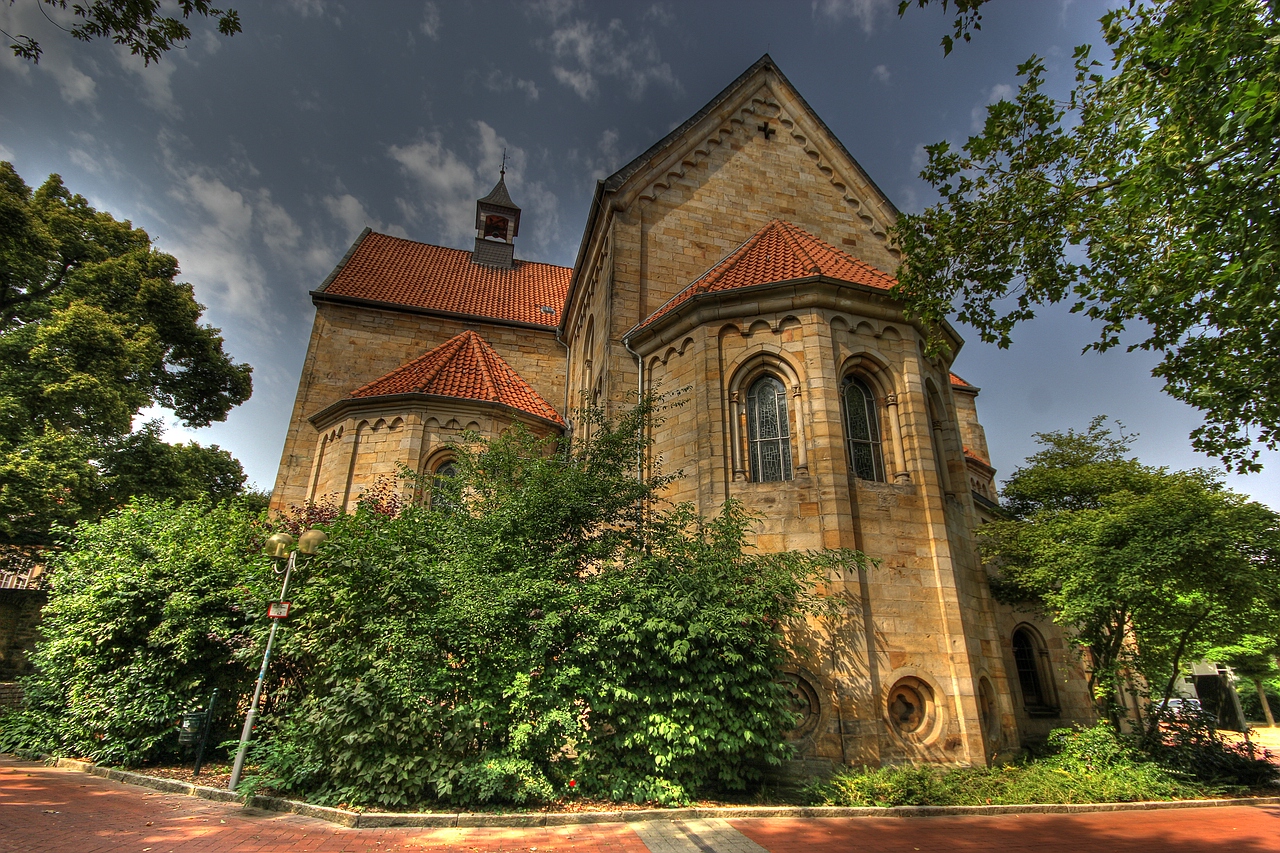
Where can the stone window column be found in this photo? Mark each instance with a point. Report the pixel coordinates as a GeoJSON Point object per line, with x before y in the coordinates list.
{"type": "Point", "coordinates": [735, 436]}
{"type": "Point", "coordinates": [901, 475]}
{"type": "Point", "coordinates": [940, 454]}
{"type": "Point", "coordinates": [802, 443]}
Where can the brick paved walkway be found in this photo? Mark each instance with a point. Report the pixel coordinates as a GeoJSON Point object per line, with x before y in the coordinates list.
{"type": "Point", "coordinates": [52, 810]}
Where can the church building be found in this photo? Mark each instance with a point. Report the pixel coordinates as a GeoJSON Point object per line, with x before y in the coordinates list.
{"type": "Point", "coordinates": [746, 258]}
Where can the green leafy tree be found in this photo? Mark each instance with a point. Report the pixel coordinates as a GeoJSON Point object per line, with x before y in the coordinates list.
{"type": "Point", "coordinates": [534, 629]}
{"type": "Point", "coordinates": [139, 25]}
{"type": "Point", "coordinates": [149, 611]}
{"type": "Point", "coordinates": [1146, 568]}
{"type": "Point", "coordinates": [94, 328]}
{"type": "Point", "coordinates": [1148, 200]}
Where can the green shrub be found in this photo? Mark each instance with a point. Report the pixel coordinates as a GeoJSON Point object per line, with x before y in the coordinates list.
{"type": "Point", "coordinates": [1191, 745]}
{"type": "Point", "coordinates": [1083, 766]}
{"type": "Point", "coordinates": [146, 616]}
{"type": "Point", "coordinates": [545, 622]}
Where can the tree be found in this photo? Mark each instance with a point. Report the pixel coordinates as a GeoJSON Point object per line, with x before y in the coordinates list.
{"type": "Point", "coordinates": [136, 24]}
{"type": "Point", "coordinates": [94, 328]}
{"type": "Point", "coordinates": [1148, 200]}
{"type": "Point", "coordinates": [1146, 568]}
{"type": "Point", "coordinates": [532, 631]}
{"type": "Point", "coordinates": [148, 613]}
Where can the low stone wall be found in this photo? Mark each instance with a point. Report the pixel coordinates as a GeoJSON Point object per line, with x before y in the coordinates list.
{"type": "Point", "coordinates": [10, 694]}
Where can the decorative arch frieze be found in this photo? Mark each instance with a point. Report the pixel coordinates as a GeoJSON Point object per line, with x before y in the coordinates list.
{"type": "Point", "coordinates": [764, 105]}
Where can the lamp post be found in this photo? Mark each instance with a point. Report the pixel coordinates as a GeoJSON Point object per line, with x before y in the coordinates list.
{"type": "Point", "coordinates": [279, 546]}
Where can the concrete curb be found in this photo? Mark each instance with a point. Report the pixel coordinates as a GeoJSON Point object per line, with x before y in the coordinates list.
{"type": "Point", "coordinates": [367, 820]}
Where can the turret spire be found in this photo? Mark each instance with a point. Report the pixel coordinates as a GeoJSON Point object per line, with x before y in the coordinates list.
{"type": "Point", "coordinates": [497, 224]}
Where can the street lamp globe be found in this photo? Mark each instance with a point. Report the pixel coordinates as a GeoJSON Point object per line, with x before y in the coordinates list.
{"type": "Point", "coordinates": [279, 545]}
{"type": "Point", "coordinates": [310, 542]}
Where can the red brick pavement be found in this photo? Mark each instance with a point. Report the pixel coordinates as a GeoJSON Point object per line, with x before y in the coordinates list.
{"type": "Point", "coordinates": [1233, 829]}
{"type": "Point", "coordinates": [52, 810]}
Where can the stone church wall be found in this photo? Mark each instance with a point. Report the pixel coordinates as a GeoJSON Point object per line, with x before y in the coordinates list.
{"type": "Point", "coordinates": [353, 345]}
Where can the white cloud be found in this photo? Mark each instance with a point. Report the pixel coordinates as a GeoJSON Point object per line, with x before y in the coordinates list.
{"type": "Point", "coordinates": [496, 81]}
{"type": "Point", "coordinates": [553, 10]}
{"type": "Point", "coordinates": [602, 161]}
{"type": "Point", "coordinates": [430, 25]}
{"type": "Point", "coordinates": [217, 250]}
{"type": "Point", "coordinates": [6, 154]}
{"type": "Point", "coordinates": [350, 213]}
{"type": "Point", "coordinates": [60, 51]}
{"type": "Point", "coordinates": [585, 52]}
{"type": "Point", "coordinates": [234, 238]}
{"type": "Point", "coordinates": [865, 12]}
{"type": "Point", "coordinates": [58, 60]}
{"type": "Point", "coordinates": [155, 79]}
{"type": "Point", "coordinates": [978, 115]}
{"type": "Point", "coordinates": [881, 73]}
{"type": "Point", "coordinates": [84, 160]}
{"type": "Point", "coordinates": [307, 8]}
{"type": "Point", "coordinates": [450, 182]}
{"type": "Point", "coordinates": [661, 14]}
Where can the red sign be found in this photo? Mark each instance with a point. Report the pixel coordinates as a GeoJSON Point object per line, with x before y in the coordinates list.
{"type": "Point", "coordinates": [278, 609]}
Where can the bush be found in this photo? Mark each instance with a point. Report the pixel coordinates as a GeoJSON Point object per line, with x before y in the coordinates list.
{"type": "Point", "coordinates": [1083, 766]}
{"type": "Point", "coordinates": [146, 616]}
{"type": "Point", "coordinates": [546, 621]}
{"type": "Point", "coordinates": [1189, 743]}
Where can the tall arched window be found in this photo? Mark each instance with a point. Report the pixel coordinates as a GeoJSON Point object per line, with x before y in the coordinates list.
{"type": "Point", "coordinates": [862, 430]}
{"type": "Point", "coordinates": [768, 430]}
{"type": "Point", "coordinates": [440, 478]}
{"type": "Point", "coordinates": [1031, 658]}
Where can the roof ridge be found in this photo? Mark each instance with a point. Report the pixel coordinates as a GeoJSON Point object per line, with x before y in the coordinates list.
{"type": "Point", "coordinates": [483, 350]}
{"type": "Point", "coordinates": [787, 229]}
{"type": "Point", "coordinates": [446, 357]}
{"type": "Point", "coordinates": [729, 261]}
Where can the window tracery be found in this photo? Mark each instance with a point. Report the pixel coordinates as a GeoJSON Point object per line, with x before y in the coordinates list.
{"type": "Point", "coordinates": [862, 430]}
{"type": "Point", "coordinates": [768, 430]}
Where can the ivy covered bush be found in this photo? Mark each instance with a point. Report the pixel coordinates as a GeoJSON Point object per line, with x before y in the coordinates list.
{"type": "Point", "coordinates": [542, 626]}
{"type": "Point", "coordinates": [149, 610]}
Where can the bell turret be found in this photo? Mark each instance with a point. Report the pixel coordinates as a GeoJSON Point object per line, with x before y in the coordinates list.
{"type": "Point", "coordinates": [497, 224]}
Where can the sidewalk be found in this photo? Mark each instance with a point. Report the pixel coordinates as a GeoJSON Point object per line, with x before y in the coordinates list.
{"type": "Point", "coordinates": [53, 810]}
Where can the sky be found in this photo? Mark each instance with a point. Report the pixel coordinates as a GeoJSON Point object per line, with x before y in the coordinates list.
{"type": "Point", "coordinates": [257, 159]}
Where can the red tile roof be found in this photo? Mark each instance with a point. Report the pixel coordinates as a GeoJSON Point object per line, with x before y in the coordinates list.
{"type": "Point", "coordinates": [956, 380]}
{"type": "Point", "coordinates": [968, 451]}
{"type": "Point", "coordinates": [388, 269]}
{"type": "Point", "coordinates": [778, 252]}
{"type": "Point", "coordinates": [466, 367]}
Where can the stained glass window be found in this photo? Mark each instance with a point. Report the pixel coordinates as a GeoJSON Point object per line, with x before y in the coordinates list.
{"type": "Point", "coordinates": [768, 431]}
{"type": "Point", "coordinates": [862, 431]}
{"type": "Point", "coordinates": [440, 478]}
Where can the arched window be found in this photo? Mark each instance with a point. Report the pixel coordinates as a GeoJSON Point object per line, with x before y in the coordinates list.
{"type": "Point", "coordinates": [495, 226]}
{"type": "Point", "coordinates": [768, 430]}
{"type": "Point", "coordinates": [440, 478]}
{"type": "Point", "coordinates": [862, 430]}
{"type": "Point", "coordinates": [1031, 659]}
